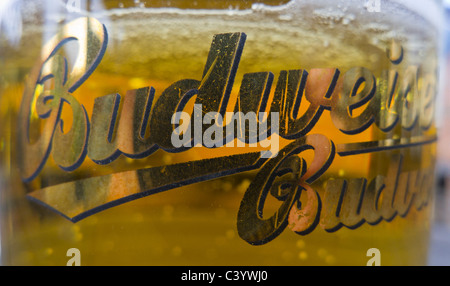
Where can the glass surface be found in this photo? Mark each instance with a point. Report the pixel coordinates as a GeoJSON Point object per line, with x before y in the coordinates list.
{"type": "Point", "coordinates": [336, 168]}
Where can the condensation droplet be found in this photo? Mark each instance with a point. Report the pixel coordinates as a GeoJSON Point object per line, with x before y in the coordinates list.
{"type": "Point", "coordinates": [138, 217]}
{"type": "Point", "coordinates": [257, 6]}
{"type": "Point", "coordinates": [230, 234]}
{"type": "Point", "coordinates": [108, 245]}
{"type": "Point", "coordinates": [227, 186]}
{"type": "Point", "coordinates": [244, 186]}
{"type": "Point", "coordinates": [330, 259]}
{"type": "Point", "coordinates": [77, 235]}
{"type": "Point", "coordinates": [322, 253]}
{"type": "Point", "coordinates": [300, 243]}
{"type": "Point", "coordinates": [48, 251]}
{"type": "Point", "coordinates": [93, 219]}
{"type": "Point", "coordinates": [176, 251]}
{"type": "Point", "coordinates": [167, 211]}
{"type": "Point", "coordinates": [303, 255]}
{"type": "Point", "coordinates": [167, 159]}
{"type": "Point", "coordinates": [136, 82]}
{"type": "Point", "coordinates": [285, 17]}
{"type": "Point", "coordinates": [220, 213]}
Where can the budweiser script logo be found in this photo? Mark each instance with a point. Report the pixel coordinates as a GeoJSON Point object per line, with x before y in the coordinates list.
{"type": "Point", "coordinates": [390, 102]}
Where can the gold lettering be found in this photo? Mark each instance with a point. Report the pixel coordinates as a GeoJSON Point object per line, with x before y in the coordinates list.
{"type": "Point", "coordinates": [345, 103]}
{"type": "Point", "coordinates": [411, 100]}
{"type": "Point", "coordinates": [111, 134]}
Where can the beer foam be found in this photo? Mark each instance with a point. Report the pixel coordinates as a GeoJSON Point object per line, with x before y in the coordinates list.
{"type": "Point", "coordinates": [431, 10]}
{"type": "Point", "coordinates": [406, 12]}
{"type": "Point", "coordinates": [307, 34]}
{"type": "Point", "coordinates": [399, 19]}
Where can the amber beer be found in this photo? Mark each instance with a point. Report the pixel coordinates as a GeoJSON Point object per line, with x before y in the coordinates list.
{"type": "Point", "coordinates": [337, 168]}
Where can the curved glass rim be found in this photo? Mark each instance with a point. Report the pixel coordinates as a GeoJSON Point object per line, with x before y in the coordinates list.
{"type": "Point", "coordinates": [432, 11]}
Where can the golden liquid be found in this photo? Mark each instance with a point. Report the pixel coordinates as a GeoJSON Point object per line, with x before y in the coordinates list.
{"type": "Point", "coordinates": [196, 224]}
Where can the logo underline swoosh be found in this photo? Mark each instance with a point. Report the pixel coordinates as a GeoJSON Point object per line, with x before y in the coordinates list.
{"type": "Point", "coordinates": [79, 199]}
{"type": "Point", "coordinates": [351, 149]}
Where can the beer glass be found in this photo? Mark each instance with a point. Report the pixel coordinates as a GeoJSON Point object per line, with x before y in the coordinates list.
{"type": "Point", "coordinates": [217, 132]}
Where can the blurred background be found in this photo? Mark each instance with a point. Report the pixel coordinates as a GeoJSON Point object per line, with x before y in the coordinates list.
{"type": "Point", "coordinates": [440, 246]}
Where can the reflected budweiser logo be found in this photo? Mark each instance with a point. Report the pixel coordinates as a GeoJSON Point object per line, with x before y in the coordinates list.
{"type": "Point", "coordinates": [355, 100]}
